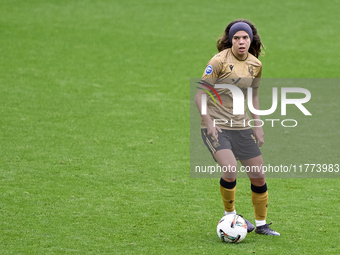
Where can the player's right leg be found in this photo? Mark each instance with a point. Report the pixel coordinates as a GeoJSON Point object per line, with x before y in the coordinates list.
{"type": "Point", "coordinates": [221, 151]}
{"type": "Point", "coordinates": [228, 163]}
{"type": "Point", "coordinates": [227, 159]}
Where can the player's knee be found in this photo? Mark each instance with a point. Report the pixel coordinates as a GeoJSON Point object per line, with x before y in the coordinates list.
{"type": "Point", "coordinates": [258, 181]}
{"type": "Point", "coordinates": [229, 176]}
{"type": "Point", "coordinates": [229, 179]}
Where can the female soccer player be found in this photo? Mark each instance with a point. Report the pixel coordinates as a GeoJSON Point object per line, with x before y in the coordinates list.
{"type": "Point", "coordinates": [228, 136]}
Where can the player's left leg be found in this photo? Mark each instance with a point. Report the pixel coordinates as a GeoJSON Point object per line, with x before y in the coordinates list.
{"type": "Point", "coordinates": [259, 194]}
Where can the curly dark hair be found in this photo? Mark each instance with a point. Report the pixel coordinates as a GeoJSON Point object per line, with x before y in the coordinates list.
{"type": "Point", "coordinates": [255, 46]}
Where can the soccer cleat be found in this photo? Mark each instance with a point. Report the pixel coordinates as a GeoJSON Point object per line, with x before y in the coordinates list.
{"type": "Point", "coordinates": [250, 227]}
{"type": "Point", "coordinates": [266, 230]}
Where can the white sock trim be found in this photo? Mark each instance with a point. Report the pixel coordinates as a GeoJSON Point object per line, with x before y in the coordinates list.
{"type": "Point", "coordinates": [226, 213]}
{"type": "Point", "coordinates": [260, 222]}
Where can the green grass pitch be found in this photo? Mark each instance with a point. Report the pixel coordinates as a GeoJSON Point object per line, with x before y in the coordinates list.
{"type": "Point", "coordinates": [95, 127]}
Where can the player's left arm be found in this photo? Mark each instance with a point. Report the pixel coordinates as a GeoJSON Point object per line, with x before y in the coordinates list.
{"type": "Point", "coordinates": [258, 131]}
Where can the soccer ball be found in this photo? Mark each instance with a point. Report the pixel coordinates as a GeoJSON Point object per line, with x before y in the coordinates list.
{"type": "Point", "coordinates": [232, 228]}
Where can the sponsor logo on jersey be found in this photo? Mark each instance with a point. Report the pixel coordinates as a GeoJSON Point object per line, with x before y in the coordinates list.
{"type": "Point", "coordinates": [236, 81]}
{"type": "Point", "coordinates": [208, 70]}
{"type": "Point", "coordinates": [231, 67]}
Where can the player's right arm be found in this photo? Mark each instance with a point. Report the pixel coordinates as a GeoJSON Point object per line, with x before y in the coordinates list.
{"type": "Point", "coordinates": [211, 129]}
{"type": "Point", "coordinates": [211, 73]}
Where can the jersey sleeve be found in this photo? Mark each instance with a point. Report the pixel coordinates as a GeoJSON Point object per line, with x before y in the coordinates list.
{"type": "Point", "coordinates": [212, 70]}
{"type": "Point", "coordinates": [256, 81]}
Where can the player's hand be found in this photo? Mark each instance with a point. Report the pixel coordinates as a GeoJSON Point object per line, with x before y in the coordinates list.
{"type": "Point", "coordinates": [259, 135]}
{"type": "Point", "coordinates": [213, 131]}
